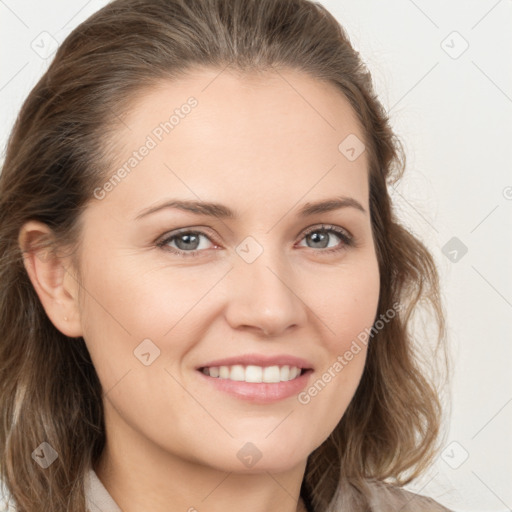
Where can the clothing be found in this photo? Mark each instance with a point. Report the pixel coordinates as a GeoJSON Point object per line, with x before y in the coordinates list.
{"type": "Point", "coordinates": [385, 498]}
{"type": "Point", "coordinates": [97, 498]}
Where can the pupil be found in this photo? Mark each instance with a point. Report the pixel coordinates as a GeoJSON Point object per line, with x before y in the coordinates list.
{"type": "Point", "coordinates": [188, 239]}
{"type": "Point", "coordinates": [317, 236]}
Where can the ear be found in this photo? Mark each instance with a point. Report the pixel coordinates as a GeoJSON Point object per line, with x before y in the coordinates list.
{"type": "Point", "coordinates": [52, 276]}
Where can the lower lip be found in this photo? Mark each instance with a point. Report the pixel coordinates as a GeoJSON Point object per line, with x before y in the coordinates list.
{"type": "Point", "coordinates": [260, 392]}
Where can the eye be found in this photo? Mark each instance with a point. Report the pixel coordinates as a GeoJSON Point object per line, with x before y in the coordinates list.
{"type": "Point", "coordinates": [320, 237]}
{"type": "Point", "coordinates": [188, 243]}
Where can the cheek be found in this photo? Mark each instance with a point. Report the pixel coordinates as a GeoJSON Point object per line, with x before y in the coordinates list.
{"type": "Point", "coordinates": [127, 298]}
{"type": "Point", "coordinates": [348, 308]}
{"type": "Point", "coordinates": [348, 305]}
{"type": "Point", "coordinates": [149, 296]}
{"type": "Point", "coordinates": [333, 385]}
{"type": "Point", "coordinates": [125, 303]}
{"type": "Point", "coordinates": [118, 311]}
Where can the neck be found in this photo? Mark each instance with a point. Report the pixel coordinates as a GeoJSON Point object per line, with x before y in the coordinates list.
{"type": "Point", "coordinates": [142, 477]}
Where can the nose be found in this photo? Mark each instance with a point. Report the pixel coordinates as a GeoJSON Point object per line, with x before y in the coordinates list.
{"type": "Point", "coordinates": [265, 296]}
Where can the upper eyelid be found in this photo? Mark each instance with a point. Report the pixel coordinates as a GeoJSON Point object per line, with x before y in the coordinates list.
{"type": "Point", "coordinates": [327, 227]}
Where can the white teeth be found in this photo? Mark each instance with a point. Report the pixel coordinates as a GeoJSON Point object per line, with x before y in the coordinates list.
{"type": "Point", "coordinates": [284, 374]}
{"type": "Point", "coordinates": [252, 373]}
{"type": "Point", "coordinates": [237, 372]}
{"type": "Point", "coordinates": [271, 374]}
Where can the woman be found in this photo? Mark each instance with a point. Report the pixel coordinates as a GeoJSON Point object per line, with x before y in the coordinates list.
{"type": "Point", "coordinates": [206, 298]}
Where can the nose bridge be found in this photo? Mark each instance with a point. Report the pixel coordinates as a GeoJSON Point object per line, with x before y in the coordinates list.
{"type": "Point", "coordinates": [262, 294]}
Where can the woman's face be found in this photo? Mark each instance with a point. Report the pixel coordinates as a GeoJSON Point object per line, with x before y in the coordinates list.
{"type": "Point", "coordinates": [169, 291]}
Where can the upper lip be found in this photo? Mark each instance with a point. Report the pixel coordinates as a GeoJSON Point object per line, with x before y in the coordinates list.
{"type": "Point", "coordinates": [260, 360]}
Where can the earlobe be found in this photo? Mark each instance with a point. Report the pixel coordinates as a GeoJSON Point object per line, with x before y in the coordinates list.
{"type": "Point", "coordinates": [50, 276]}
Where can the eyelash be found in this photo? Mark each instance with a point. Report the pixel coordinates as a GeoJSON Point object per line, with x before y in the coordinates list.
{"type": "Point", "coordinates": [348, 240]}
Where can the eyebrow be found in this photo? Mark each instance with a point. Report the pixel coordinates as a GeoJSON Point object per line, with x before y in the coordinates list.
{"type": "Point", "coordinates": [224, 212]}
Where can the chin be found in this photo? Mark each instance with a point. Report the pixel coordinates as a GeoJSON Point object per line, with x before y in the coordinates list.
{"type": "Point", "coordinates": [267, 455]}
{"type": "Point", "coordinates": [264, 465]}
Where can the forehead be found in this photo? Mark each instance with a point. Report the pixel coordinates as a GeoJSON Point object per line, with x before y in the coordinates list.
{"type": "Point", "coordinates": [226, 135]}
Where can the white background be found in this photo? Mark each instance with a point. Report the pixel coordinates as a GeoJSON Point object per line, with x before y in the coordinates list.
{"type": "Point", "coordinates": [453, 112]}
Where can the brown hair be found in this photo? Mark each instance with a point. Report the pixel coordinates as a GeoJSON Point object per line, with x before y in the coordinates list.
{"type": "Point", "coordinates": [58, 153]}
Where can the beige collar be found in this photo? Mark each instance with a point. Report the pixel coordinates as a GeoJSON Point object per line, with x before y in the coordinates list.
{"type": "Point", "coordinates": [97, 498]}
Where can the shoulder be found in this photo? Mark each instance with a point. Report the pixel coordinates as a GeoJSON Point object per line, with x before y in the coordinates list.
{"type": "Point", "coordinates": [6, 504]}
{"type": "Point", "coordinates": [384, 497]}
{"type": "Point", "coordinates": [97, 498]}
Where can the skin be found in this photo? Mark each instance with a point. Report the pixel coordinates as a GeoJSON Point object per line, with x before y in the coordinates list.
{"type": "Point", "coordinates": [264, 145]}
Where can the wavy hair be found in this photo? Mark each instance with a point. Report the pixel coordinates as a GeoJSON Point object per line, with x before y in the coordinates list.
{"type": "Point", "coordinates": [59, 151]}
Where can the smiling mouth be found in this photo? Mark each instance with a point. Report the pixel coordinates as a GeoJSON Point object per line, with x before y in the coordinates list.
{"type": "Point", "coordinates": [253, 373]}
